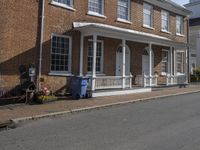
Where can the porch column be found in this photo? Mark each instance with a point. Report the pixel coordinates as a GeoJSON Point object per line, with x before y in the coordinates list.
{"type": "Point", "coordinates": [81, 55]}
{"type": "Point", "coordinates": [94, 61]}
{"type": "Point", "coordinates": [174, 62]}
{"type": "Point", "coordinates": [186, 65]}
{"type": "Point", "coordinates": [123, 63]}
{"type": "Point", "coordinates": [150, 64]}
{"type": "Point", "coordinates": [171, 65]}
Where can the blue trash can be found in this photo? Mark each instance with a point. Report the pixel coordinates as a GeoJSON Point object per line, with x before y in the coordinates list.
{"type": "Point", "coordinates": [79, 87]}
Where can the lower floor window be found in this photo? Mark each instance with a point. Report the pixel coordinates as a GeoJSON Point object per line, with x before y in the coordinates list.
{"type": "Point", "coordinates": [60, 53]}
{"type": "Point", "coordinates": [99, 57]}
{"type": "Point", "coordinates": [180, 62]}
{"type": "Point", "coordinates": [165, 60]}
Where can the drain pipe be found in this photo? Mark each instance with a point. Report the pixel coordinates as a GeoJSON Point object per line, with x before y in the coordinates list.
{"type": "Point", "coordinates": [41, 46]}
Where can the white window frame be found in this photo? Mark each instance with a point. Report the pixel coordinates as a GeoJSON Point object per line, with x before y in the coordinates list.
{"type": "Point", "coordinates": [97, 14]}
{"type": "Point", "coordinates": [70, 7]}
{"type": "Point", "coordinates": [166, 13]}
{"type": "Point", "coordinates": [102, 56]}
{"type": "Point", "coordinates": [167, 62]}
{"type": "Point", "coordinates": [180, 24]}
{"type": "Point", "coordinates": [147, 6]}
{"type": "Point", "coordinates": [182, 64]}
{"type": "Point", "coordinates": [129, 12]}
{"type": "Point", "coordinates": [62, 73]}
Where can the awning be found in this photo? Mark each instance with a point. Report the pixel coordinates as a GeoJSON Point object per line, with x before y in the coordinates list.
{"type": "Point", "coordinates": [104, 30]}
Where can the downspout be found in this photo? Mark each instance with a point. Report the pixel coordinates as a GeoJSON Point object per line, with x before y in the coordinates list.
{"type": "Point", "coordinates": [41, 46]}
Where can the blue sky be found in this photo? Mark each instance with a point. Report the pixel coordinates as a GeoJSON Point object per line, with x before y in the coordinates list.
{"type": "Point", "coordinates": [181, 2]}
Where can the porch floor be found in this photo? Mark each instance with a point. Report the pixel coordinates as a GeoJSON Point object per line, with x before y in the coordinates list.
{"type": "Point", "coordinates": [113, 92]}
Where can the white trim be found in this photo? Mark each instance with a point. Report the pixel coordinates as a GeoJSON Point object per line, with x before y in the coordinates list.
{"type": "Point", "coordinates": [165, 31]}
{"type": "Point", "coordinates": [62, 5]}
{"type": "Point", "coordinates": [145, 5]}
{"type": "Point", "coordinates": [148, 27]}
{"type": "Point", "coordinates": [91, 13]}
{"type": "Point", "coordinates": [168, 17]}
{"type": "Point", "coordinates": [70, 53]}
{"type": "Point", "coordinates": [124, 21]}
{"type": "Point", "coordinates": [178, 34]}
{"type": "Point", "coordinates": [64, 74]}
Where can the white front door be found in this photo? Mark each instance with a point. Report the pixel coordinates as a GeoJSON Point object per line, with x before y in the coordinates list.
{"type": "Point", "coordinates": [145, 64]}
{"type": "Point", "coordinates": [119, 65]}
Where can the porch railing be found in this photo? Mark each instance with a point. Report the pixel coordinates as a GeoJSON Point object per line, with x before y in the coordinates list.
{"type": "Point", "coordinates": [112, 82]}
{"type": "Point", "coordinates": [148, 81]}
{"type": "Point", "coordinates": [174, 80]}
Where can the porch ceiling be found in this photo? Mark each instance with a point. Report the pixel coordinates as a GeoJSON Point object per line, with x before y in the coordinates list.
{"type": "Point", "coordinates": [104, 30]}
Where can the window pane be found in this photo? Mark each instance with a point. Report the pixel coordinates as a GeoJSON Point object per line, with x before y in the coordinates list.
{"type": "Point", "coordinates": [123, 9]}
{"type": "Point", "coordinates": [148, 15]}
{"type": "Point", "coordinates": [60, 53]}
{"type": "Point", "coordinates": [65, 2]}
{"type": "Point", "coordinates": [96, 6]}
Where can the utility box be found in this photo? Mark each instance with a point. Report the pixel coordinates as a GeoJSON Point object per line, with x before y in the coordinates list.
{"type": "Point", "coordinates": [79, 87]}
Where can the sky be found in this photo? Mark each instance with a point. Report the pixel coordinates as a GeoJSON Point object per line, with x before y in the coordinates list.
{"type": "Point", "coordinates": [181, 2]}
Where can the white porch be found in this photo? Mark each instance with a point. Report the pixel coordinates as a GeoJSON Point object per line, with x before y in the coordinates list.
{"type": "Point", "coordinates": [124, 81]}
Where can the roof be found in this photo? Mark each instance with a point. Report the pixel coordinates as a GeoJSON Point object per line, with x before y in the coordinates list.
{"type": "Point", "coordinates": [123, 32]}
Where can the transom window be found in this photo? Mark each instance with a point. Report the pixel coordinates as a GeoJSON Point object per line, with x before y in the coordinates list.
{"type": "Point", "coordinates": [165, 20]}
{"type": "Point", "coordinates": [148, 15]}
{"type": "Point", "coordinates": [96, 6]}
{"type": "Point", "coordinates": [179, 25]}
{"type": "Point", "coordinates": [60, 54]}
{"type": "Point", "coordinates": [68, 3]}
{"type": "Point", "coordinates": [99, 56]}
{"type": "Point", "coordinates": [124, 9]}
{"type": "Point", "coordinates": [165, 60]}
{"type": "Point", "coordinates": [180, 62]}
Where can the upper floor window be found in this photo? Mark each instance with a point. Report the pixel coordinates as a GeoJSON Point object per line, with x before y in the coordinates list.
{"type": "Point", "coordinates": [165, 21]}
{"type": "Point", "coordinates": [179, 25]}
{"type": "Point", "coordinates": [148, 15]}
{"type": "Point", "coordinates": [123, 9]}
{"type": "Point", "coordinates": [96, 7]}
{"type": "Point", "coordinates": [64, 3]}
{"type": "Point", "coordinates": [60, 54]}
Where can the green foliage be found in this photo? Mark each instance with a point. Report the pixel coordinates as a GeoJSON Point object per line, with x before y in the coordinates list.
{"type": "Point", "coordinates": [196, 76]}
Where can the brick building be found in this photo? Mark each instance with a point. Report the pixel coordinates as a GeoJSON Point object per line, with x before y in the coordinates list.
{"type": "Point", "coordinates": [118, 43]}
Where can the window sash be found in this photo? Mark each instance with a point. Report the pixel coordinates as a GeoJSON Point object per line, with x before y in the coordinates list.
{"type": "Point", "coordinates": [65, 2]}
{"type": "Point", "coordinates": [124, 9]}
{"type": "Point", "coordinates": [96, 6]}
{"type": "Point", "coordinates": [60, 53]}
{"type": "Point", "coordinates": [165, 61]}
{"type": "Point", "coordinates": [179, 24]}
{"type": "Point", "coordinates": [148, 15]}
{"type": "Point", "coordinates": [99, 56]}
{"type": "Point", "coordinates": [180, 62]}
{"type": "Point", "coordinates": [165, 20]}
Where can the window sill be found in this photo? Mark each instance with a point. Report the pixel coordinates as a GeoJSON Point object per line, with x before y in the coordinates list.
{"type": "Point", "coordinates": [148, 27]}
{"type": "Point", "coordinates": [165, 31]}
{"type": "Point", "coordinates": [67, 74]}
{"type": "Point", "coordinates": [90, 13]}
{"type": "Point", "coordinates": [97, 74]}
{"type": "Point", "coordinates": [178, 34]}
{"type": "Point", "coordinates": [123, 21]}
{"type": "Point", "coordinates": [63, 6]}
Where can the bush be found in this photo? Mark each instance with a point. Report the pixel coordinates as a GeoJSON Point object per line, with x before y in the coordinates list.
{"type": "Point", "coordinates": [196, 76]}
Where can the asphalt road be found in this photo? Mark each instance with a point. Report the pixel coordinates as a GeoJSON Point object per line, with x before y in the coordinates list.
{"type": "Point", "coordinates": [165, 124]}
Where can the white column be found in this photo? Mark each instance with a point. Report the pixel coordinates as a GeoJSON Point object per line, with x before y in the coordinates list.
{"type": "Point", "coordinates": [123, 63]}
{"type": "Point", "coordinates": [94, 61]}
{"type": "Point", "coordinates": [174, 62]}
{"type": "Point", "coordinates": [81, 55]}
{"type": "Point", "coordinates": [171, 65]}
{"type": "Point", "coordinates": [186, 65]}
{"type": "Point", "coordinates": [150, 64]}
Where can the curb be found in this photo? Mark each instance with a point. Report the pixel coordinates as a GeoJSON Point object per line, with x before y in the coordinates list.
{"type": "Point", "coordinates": [62, 113]}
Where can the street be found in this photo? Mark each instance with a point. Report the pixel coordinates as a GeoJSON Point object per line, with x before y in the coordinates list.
{"type": "Point", "coordinates": [163, 124]}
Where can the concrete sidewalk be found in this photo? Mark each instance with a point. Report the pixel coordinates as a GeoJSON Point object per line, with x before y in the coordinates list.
{"type": "Point", "coordinates": [21, 112]}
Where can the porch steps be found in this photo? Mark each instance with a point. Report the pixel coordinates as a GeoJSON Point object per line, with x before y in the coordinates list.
{"type": "Point", "coordinates": [114, 92]}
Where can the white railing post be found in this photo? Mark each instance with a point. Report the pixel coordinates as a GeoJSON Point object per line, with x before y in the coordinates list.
{"type": "Point", "coordinates": [94, 61]}
{"type": "Point", "coordinates": [130, 80]}
{"type": "Point", "coordinates": [123, 63]}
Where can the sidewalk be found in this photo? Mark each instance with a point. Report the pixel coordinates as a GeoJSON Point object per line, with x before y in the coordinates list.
{"type": "Point", "coordinates": [66, 106]}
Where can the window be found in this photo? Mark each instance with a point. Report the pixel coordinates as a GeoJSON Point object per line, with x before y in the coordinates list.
{"type": "Point", "coordinates": [96, 6]}
{"type": "Point", "coordinates": [148, 15]}
{"type": "Point", "coordinates": [165, 60]}
{"type": "Point", "coordinates": [165, 20]}
{"type": "Point", "coordinates": [124, 9]}
{"type": "Point", "coordinates": [64, 3]}
{"type": "Point", "coordinates": [60, 54]}
{"type": "Point", "coordinates": [99, 57]}
{"type": "Point", "coordinates": [180, 62]}
{"type": "Point", "coordinates": [179, 25]}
